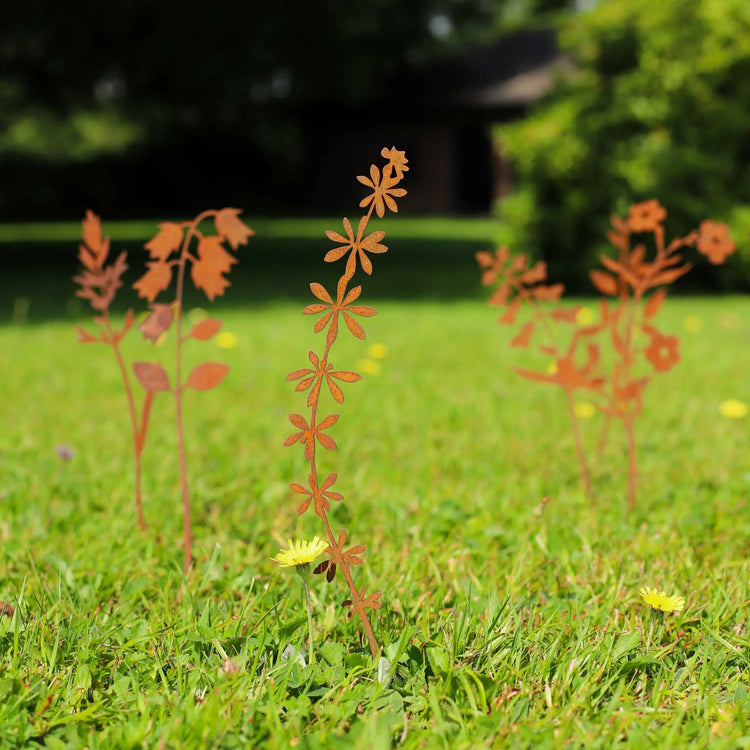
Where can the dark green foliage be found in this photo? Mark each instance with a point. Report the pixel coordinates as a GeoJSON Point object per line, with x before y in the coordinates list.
{"type": "Point", "coordinates": [658, 108]}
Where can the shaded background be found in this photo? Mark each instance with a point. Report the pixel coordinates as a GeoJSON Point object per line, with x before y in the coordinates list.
{"type": "Point", "coordinates": [546, 114]}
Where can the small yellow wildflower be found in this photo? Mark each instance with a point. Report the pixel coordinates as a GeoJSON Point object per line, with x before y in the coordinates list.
{"type": "Point", "coordinates": [692, 323]}
{"type": "Point", "coordinates": [659, 600]}
{"type": "Point", "coordinates": [733, 409]}
{"type": "Point", "coordinates": [552, 368]}
{"type": "Point", "coordinates": [585, 317]}
{"type": "Point", "coordinates": [369, 366]}
{"type": "Point", "coordinates": [226, 340]}
{"type": "Point", "coordinates": [377, 351]}
{"type": "Point", "coordinates": [584, 410]}
{"type": "Point", "coordinates": [300, 553]}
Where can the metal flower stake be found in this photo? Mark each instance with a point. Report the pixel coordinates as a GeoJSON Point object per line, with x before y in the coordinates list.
{"type": "Point", "coordinates": [99, 283]}
{"type": "Point", "coordinates": [356, 246]}
{"type": "Point", "coordinates": [637, 283]}
{"type": "Point", "coordinates": [170, 252]}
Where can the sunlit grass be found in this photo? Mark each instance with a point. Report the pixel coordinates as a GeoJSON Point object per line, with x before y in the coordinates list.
{"type": "Point", "coordinates": [510, 622]}
{"type": "Point", "coordinates": [396, 227]}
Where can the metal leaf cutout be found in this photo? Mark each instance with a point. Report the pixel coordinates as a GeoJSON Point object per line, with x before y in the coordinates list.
{"type": "Point", "coordinates": [209, 262]}
{"type": "Point", "coordinates": [206, 376]}
{"type": "Point", "coordinates": [169, 256]}
{"type": "Point", "coordinates": [151, 376]}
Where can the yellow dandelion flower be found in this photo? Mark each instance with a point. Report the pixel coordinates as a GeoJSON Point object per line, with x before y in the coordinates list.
{"type": "Point", "coordinates": [659, 600]}
{"type": "Point", "coordinates": [300, 553]}
{"type": "Point", "coordinates": [584, 410]}
{"type": "Point", "coordinates": [369, 366]}
{"type": "Point", "coordinates": [585, 317]}
{"type": "Point", "coordinates": [692, 323]}
{"type": "Point", "coordinates": [226, 340]}
{"type": "Point", "coordinates": [733, 409]}
{"type": "Point", "coordinates": [552, 368]}
{"type": "Point", "coordinates": [377, 351]}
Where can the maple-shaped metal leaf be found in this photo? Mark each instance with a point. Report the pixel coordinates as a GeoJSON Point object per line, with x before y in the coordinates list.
{"type": "Point", "coordinates": [168, 239]}
{"type": "Point", "coordinates": [229, 226]}
{"type": "Point", "coordinates": [208, 270]}
{"type": "Point", "coordinates": [156, 279]}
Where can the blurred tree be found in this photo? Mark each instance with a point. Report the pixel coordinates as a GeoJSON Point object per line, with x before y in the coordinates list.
{"type": "Point", "coordinates": [218, 94]}
{"type": "Point", "coordinates": [658, 108]}
{"type": "Point", "coordinates": [80, 80]}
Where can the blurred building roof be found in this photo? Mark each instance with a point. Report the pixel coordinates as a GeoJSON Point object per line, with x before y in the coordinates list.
{"type": "Point", "coordinates": [515, 71]}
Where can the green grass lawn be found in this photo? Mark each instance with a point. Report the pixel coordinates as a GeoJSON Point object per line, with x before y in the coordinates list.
{"type": "Point", "coordinates": [435, 260]}
{"type": "Point", "coordinates": [505, 628]}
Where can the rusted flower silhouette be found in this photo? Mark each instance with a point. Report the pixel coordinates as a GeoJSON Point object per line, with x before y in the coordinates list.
{"type": "Point", "coordinates": [383, 190]}
{"type": "Point", "coordinates": [356, 246]}
{"type": "Point", "coordinates": [396, 160]}
{"type": "Point", "coordinates": [646, 216]}
{"type": "Point", "coordinates": [343, 305]}
{"type": "Point", "coordinates": [492, 265]}
{"type": "Point", "coordinates": [663, 352]}
{"type": "Point", "coordinates": [637, 279]}
{"type": "Point", "coordinates": [628, 397]}
{"type": "Point", "coordinates": [321, 496]}
{"type": "Point", "coordinates": [307, 433]}
{"type": "Point", "coordinates": [567, 374]}
{"type": "Point", "coordinates": [314, 377]}
{"type": "Point", "coordinates": [518, 282]}
{"type": "Point", "coordinates": [714, 241]}
{"type": "Point", "coordinates": [372, 601]}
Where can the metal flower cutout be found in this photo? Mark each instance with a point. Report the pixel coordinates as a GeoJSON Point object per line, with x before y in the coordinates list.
{"type": "Point", "coordinates": [357, 246]}
{"type": "Point", "coordinates": [342, 306]}
{"type": "Point", "coordinates": [310, 432]}
{"type": "Point", "coordinates": [636, 281]}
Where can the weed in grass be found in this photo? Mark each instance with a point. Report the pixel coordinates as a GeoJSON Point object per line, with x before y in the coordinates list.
{"type": "Point", "coordinates": [99, 283]}
{"type": "Point", "coordinates": [319, 494]}
{"type": "Point", "coordinates": [208, 265]}
{"type": "Point", "coordinates": [299, 556]}
{"type": "Point", "coordinates": [638, 349]}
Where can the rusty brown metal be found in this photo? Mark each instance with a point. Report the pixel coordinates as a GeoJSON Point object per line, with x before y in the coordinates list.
{"type": "Point", "coordinates": [209, 262]}
{"type": "Point", "coordinates": [637, 284]}
{"type": "Point", "coordinates": [331, 309]}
